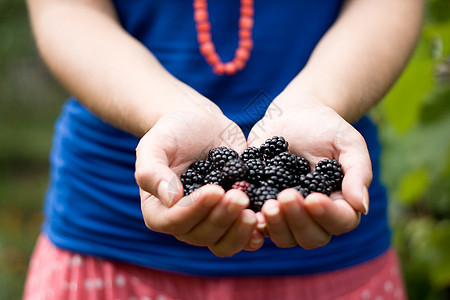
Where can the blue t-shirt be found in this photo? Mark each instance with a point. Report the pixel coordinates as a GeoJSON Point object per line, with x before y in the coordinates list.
{"type": "Point", "coordinates": [92, 204]}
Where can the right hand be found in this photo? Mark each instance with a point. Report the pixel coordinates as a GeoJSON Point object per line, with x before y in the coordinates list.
{"type": "Point", "coordinates": [209, 216]}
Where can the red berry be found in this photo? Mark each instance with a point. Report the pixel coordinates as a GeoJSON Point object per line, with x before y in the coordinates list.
{"type": "Point", "coordinates": [241, 185]}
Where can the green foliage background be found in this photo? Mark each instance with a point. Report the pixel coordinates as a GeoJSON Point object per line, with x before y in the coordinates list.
{"type": "Point", "coordinates": [414, 121]}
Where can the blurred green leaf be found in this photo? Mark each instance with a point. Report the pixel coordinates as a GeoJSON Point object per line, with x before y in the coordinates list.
{"type": "Point", "coordinates": [403, 103]}
{"type": "Point", "coordinates": [439, 35]}
{"type": "Point", "coordinates": [437, 107]}
{"type": "Point", "coordinates": [440, 261]}
{"type": "Point", "coordinates": [413, 185]}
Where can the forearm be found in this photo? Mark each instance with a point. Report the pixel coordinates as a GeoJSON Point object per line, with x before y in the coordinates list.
{"type": "Point", "coordinates": [109, 71]}
{"type": "Point", "coordinates": [359, 58]}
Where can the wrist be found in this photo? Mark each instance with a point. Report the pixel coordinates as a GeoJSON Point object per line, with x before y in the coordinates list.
{"type": "Point", "coordinates": [174, 99]}
{"type": "Point", "coordinates": [299, 95]}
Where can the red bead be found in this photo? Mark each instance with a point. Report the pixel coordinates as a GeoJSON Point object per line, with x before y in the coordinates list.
{"type": "Point", "coordinates": [247, 11]}
{"type": "Point", "coordinates": [200, 4]}
{"type": "Point", "coordinates": [230, 68]}
{"type": "Point", "coordinates": [242, 54]}
{"type": "Point", "coordinates": [213, 59]}
{"type": "Point", "coordinates": [203, 26]}
{"type": "Point", "coordinates": [207, 48]}
{"type": "Point", "coordinates": [240, 64]}
{"type": "Point", "coordinates": [200, 15]}
{"type": "Point", "coordinates": [245, 34]}
{"type": "Point", "coordinates": [219, 69]}
{"type": "Point", "coordinates": [245, 22]}
{"type": "Point", "coordinates": [203, 37]}
{"type": "Point", "coordinates": [246, 44]}
{"type": "Point", "coordinates": [247, 2]}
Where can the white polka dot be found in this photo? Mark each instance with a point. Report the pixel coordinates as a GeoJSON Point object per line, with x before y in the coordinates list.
{"type": "Point", "coordinates": [398, 294]}
{"type": "Point", "coordinates": [135, 280]}
{"type": "Point", "coordinates": [388, 286]}
{"type": "Point", "coordinates": [98, 283]}
{"type": "Point", "coordinates": [145, 298]}
{"type": "Point", "coordinates": [379, 298]}
{"type": "Point", "coordinates": [76, 260]}
{"type": "Point", "coordinates": [133, 298]}
{"type": "Point", "coordinates": [365, 294]}
{"type": "Point", "coordinates": [56, 265]}
{"type": "Point", "coordinates": [161, 297]}
{"type": "Point", "coordinates": [394, 271]}
{"type": "Point", "coordinates": [73, 286]}
{"type": "Point", "coordinates": [33, 263]}
{"type": "Point", "coordinates": [120, 280]}
{"type": "Point", "coordinates": [88, 284]}
{"type": "Point", "coordinates": [65, 285]}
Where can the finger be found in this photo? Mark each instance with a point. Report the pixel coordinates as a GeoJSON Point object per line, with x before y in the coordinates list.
{"type": "Point", "coordinates": [261, 226]}
{"type": "Point", "coordinates": [182, 217]}
{"type": "Point", "coordinates": [256, 241]}
{"type": "Point", "coordinates": [237, 236]}
{"type": "Point", "coordinates": [357, 169]}
{"type": "Point", "coordinates": [276, 225]}
{"type": "Point", "coordinates": [307, 233]}
{"type": "Point", "coordinates": [218, 221]}
{"type": "Point", "coordinates": [153, 173]}
{"type": "Point", "coordinates": [335, 216]}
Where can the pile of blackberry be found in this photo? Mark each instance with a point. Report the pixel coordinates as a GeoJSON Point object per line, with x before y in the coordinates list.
{"type": "Point", "coordinates": [262, 173]}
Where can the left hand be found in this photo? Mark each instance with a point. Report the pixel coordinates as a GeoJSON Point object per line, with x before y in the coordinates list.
{"type": "Point", "coordinates": [316, 132]}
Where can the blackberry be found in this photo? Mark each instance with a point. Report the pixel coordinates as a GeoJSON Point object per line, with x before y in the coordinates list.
{"type": "Point", "coordinates": [255, 170]}
{"type": "Point", "coordinates": [251, 153]}
{"type": "Point", "coordinates": [280, 177]}
{"type": "Point", "coordinates": [202, 167]}
{"type": "Point", "coordinates": [215, 177]}
{"type": "Point", "coordinates": [303, 166]}
{"type": "Point", "coordinates": [286, 160]}
{"type": "Point", "coordinates": [234, 170]}
{"type": "Point", "coordinates": [314, 182]}
{"type": "Point", "coordinates": [241, 185]}
{"type": "Point", "coordinates": [191, 177]}
{"type": "Point", "coordinates": [220, 156]}
{"type": "Point", "coordinates": [273, 146]}
{"type": "Point", "coordinates": [305, 192]}
{"type": "Point", "coordinates": [189, 189]}
{"type": "Point", "coordinates": [332, 170]}
{"type": "Point", "coordinates": [259, 195]}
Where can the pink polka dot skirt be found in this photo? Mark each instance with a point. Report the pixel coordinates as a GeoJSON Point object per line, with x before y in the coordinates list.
{"type": "Point", "coordinates": [55, 273]}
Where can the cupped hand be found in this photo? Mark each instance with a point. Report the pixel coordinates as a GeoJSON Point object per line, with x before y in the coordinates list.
{"type": "Point", "coordinates": [208, 217]}
{"type": "Point", "coordinates": [316, 133]}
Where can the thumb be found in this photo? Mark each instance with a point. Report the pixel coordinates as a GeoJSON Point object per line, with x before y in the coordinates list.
{"type": "Point", "coordinates": [357, 169]}
{"type": "Point", "coordinates": [153, 174]}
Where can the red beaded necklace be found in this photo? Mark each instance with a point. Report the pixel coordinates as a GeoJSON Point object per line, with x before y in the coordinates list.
{"type": "Point", "coordinates": [207, 48]}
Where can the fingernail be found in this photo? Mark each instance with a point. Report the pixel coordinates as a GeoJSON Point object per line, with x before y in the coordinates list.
{"type": "Point", "coordinates": [289, 201]}
{"type": "Point", "coordinates": [255, 242]}
{"type": "Point", "coordinates": [162, 192]}
{"type": "Point", "coordinates": [248, 219]}
{"type": "Point", "coordinates": [261, 226]}
{"type": "Point", "coordinates": [237, 201]}
{"type": "Point", "coordinates": [315, 207]}
{"type": "Point", "coordinates": [365, 201]}
{"type": "Point", "coordinates": [287, 198]}
{"type": "Point", "coordinates": [240, 201]}
{"type": "Point", "coordinates": [272, 211]}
